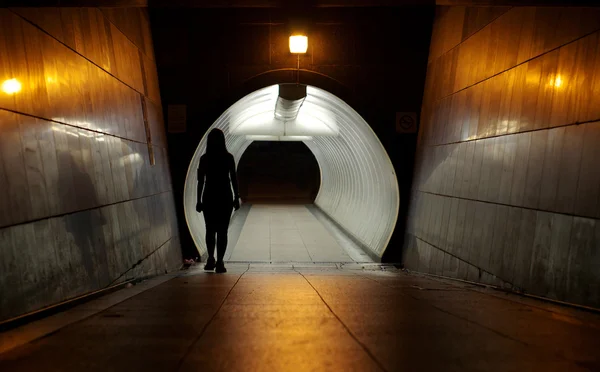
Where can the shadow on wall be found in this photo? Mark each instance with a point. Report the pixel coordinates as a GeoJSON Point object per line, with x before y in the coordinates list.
{"type": "Point", "coordinates": [85, 225]}
{"type": "Point", "coordinates": [110, 243]}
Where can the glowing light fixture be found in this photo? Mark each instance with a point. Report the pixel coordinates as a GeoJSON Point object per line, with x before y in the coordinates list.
{"type": "Point", "coordinates": [298, 44]}
{"type": "Point", "coordinates": [295, 138]}
{"type": "Point", "coordinates": [257, 137]}
{"type": "Point", "coordinates": [266, 113]}
{"type": "Point", "coordinates": [253, 137]}
{"type": "Point", "coordinates": [11, 86]}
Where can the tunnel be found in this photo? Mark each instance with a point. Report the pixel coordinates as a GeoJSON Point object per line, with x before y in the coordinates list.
{"type": "Point", "coordinates": [359, 189]}
{"type": "Point", "coordinates": [480, 114]}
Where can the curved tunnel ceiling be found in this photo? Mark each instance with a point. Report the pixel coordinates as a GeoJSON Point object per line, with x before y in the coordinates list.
{"type": "Point", "coordinates": [358, 189]}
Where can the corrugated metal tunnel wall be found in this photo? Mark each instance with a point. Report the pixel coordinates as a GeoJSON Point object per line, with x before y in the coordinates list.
{"type": "Point", "coordinates": [358, 190]}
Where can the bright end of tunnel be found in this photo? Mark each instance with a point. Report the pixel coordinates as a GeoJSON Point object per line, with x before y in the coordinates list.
{"type": "Point", "coordinates": [11, 86]}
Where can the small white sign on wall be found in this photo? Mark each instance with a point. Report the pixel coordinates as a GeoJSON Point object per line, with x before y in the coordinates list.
{"type": "Point", "coordinates": [406, 122]}
{"type": "Point", "coordinates": [177, 116]}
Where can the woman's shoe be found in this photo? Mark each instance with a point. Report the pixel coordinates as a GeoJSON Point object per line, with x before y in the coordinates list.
{"type": "Point", "coordinates": [221, 267]}
{"type": "Point", "coordinates": [210, 264]}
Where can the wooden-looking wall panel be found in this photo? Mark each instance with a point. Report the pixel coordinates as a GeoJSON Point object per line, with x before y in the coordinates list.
{"type": "Point", "coordinates": [148, 46]}
{"type": "Point", "coordinates": [79, 193]}
{"type": "Point", "coordinates": [127, 60]}
{"type": "Point", "coordinates": [156, 124]}
{"type": "Point", "coordinates": [493, 49]}
{"type": "Point", "coordinates": [510, 127]}
{"type": "Point", "coordinates": [133, 23]}
{"type": "Point", "coordinates": [48, 19]}
{"type": "Point", "coordinates": [477, 17]}
{"type": "Point", "coordinates": [50, 169]}
{"type": "Point", "coordinates": [447, 30]}
{"type": "Point", "coordinates": [85, 251]}
{"type": "Point", "coordinates": [60, 85]}
{"type": "Point", "coordinates": [545, 92]}
{"type": "Point", "coordinates": [151, 77]}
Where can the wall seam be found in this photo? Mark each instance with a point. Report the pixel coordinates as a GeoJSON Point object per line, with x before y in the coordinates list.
{"type": "Point", "coordinates": [23, 148]}
{"type": "Point", "coordinates": [75, 51]}
{"type": "Point", "coordinates": [517, 65]}
{"type": "Point", "coordinates": [461, 259]}
{"type": "Point", "coordinates": [142, 260]}
{"type": "Point", "coordinates": [121, 31]}
{"type": "Point", "coordinates": [82, 210]}
{"type": "Point", "coordinates": [525, 131]}
{"type": "Point", "coordinates": [468, 37]}
{"type": "Point", "coordinates": [579, 170]}
{"type": "Point", "coordinates": [77, 127]}
{"type": "Point", "coordinates": [509, 205]}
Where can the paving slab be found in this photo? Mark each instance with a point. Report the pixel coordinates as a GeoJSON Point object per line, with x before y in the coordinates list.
{"type": "Point", "coordinates": [313, 317]}
{"type": "Point", "coordinates": [292, 233]}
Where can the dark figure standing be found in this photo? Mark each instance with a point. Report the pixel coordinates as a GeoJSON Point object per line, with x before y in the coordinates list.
{"type": "Point", "coordinates": [216, 176]}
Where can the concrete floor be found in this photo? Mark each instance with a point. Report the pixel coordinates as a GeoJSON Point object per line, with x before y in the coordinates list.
{"type": "Point", "coordinates": [289, 233]}
{"type": "Point", "coordinates": [264, 317]}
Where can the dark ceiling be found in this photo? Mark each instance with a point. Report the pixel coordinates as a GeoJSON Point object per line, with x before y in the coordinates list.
{"type": "Point", "coordinates": [292, 3]}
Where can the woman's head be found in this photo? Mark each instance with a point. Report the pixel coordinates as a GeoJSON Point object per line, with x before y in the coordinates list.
{"type": "Point", "coordinates": [216, 142]}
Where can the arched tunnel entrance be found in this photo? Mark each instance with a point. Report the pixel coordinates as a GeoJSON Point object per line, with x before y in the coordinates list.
{"type": "Point", "coordinates": [358, 189]}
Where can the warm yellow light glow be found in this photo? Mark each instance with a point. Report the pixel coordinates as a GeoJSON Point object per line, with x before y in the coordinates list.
{"type": "Point", "coordinates": [558, 81]}
{"type": "Point", "coordinates": [11, 86]}
{"type": "Point", "coordinates": [298, 44]}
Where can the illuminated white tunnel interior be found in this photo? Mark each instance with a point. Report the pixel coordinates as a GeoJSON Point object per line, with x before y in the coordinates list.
{"type": "Point", "coordinates": [359, 189]}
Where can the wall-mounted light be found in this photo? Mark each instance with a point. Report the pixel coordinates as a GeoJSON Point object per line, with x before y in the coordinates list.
{"type": "Point", "coordinates": [11, 86]}
{"type": "Point", "coordinates": [298, 44]}
{"type": "Point", "coordinates": [556, 81]}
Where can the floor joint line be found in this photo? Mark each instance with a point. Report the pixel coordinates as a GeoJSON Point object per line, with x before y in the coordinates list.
{"type": "Point", "coordinates": [470, 321]}
{"type": "Point", "coordinates": [363, 346]}
{"type": "Point", "coordinates": [189, 349]}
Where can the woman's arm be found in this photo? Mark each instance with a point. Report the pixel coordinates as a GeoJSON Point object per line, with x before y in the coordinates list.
{"type": "Point", "coordinates": [234, 183]}
{"type": "Point", "coordinates": [201, 176]}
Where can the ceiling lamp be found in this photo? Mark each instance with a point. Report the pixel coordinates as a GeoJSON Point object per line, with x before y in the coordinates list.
{"type": "Point", "coordinates": [278, 138]}
{"type": "Point", "coordinates": [298, 44]}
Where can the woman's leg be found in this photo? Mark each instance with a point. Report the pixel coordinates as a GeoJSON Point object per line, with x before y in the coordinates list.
{"type": "Point", "coordinates": [210, 247]}
{"type": "Point", "coordinates": [221, 242]}
{"type": "Point", "coordinates": [210, 241]}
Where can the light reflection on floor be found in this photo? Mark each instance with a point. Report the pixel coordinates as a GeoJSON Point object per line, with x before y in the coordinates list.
{"type": "Point", "coordinates": [290, 233]}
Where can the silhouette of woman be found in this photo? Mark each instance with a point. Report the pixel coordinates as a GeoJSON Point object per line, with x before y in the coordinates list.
{"type": "Point", "coordinates": [216, 176]}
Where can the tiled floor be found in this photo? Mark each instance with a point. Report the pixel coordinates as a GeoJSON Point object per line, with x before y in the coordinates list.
{"type": "Point", "coordinates": [317, 317]}
{"type": "Point", "coordinates": [289, 233]}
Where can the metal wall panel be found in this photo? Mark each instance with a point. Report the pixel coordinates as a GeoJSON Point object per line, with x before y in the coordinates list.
{"type": "Point", "coordinates": [359, 189]}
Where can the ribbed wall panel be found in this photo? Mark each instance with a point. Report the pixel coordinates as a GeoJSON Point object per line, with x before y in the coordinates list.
{"type": "Point", "coordinates": [358, 189]}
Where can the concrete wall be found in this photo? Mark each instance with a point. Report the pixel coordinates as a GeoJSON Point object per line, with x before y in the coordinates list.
{"type": "Point", "coordinates": [80, 201]}
{"type": "Point", "coordinates": [507, 182]}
